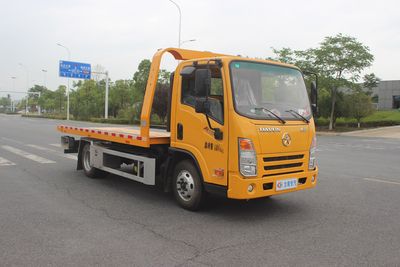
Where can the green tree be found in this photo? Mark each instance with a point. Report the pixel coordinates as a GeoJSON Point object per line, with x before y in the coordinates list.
{"type": "Point", "coordinates": [370, 82]}
{"type": "Point", "coordinates": [359, 105]}
{"type": "Point", "coordinates": [121, 96]}
{"type": "Point", "coordinates": [60, 99]}
{"type": "Point", "coordinates": [5, 103]}
{"type": "Point", "coordinates": [34, 97]}
{"type": "Point", "coordinates": [338, 60]}
{"type": "Point", "coordinates": [160, 102]}
{"type": "Point", "coordinates": [341, 59]}
{"type": "Point", "coordinates": [140, 77]}
{"type": "Point", "coordinates": [87, 100]}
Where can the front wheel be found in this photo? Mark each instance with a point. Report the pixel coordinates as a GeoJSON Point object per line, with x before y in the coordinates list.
{"type": "Point", "coordinates": [187, 186]}
{"type": "Point", "coordinates": [88, 169]}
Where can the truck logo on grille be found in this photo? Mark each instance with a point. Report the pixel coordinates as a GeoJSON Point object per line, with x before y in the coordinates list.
{"type": "Point", "coordinates": [286, 140]}
{"type": "Point", "coordinates": [270, 129]}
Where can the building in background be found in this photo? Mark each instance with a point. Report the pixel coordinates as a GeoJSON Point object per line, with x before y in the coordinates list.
{"type": "Point", "coordinates": [388, 93]}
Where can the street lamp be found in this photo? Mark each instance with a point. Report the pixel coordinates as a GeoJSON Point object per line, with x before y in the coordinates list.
{"type": "Point", "coordinates": [187, 41]}
{"type": "Point", "coordinates": [27, 83]}
{"type": "Point", "coordinates": [13, 81]}
{"type": "Point", "coordinates": [44, 77]}
{"type": "Point", "coordinates": [69, 58]}
{"type": "Point", "coordinates": [13, 88]}
{"type": "Point", "coordinates": [180, 21]}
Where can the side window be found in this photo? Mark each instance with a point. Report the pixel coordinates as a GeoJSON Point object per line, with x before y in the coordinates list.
{"type": "Point", "coordinates": [188, 96]}
{"type": "Point", "coordinates": [216, 97]}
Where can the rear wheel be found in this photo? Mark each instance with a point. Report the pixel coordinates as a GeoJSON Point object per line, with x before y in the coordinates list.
{"type": "Point", "coordinates": [88, 169]}
{"type": "Point", "coordinates": [187, 186]}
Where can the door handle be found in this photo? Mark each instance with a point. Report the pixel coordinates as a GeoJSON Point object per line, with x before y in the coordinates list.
{"type": "Point", "coordinates": [179, 131]}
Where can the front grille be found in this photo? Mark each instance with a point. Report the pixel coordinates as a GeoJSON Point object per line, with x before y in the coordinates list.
{"type": "Point", "coordinates": [268, 159]}
{"type": "Point", "coordinates": [283, 164]}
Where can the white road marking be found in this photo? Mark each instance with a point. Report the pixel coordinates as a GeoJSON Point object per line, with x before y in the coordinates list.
{"type": "Point", "coordinates": [12, 140]}
{"type": "Point", "coordinates": [6, 162]}
{"type": "Point", "coordinates": [56, 145]}
{"type": "Point", "coordinates": [381, 181]}
{"type": "Point", "coordinates": [27, 155]}
{"type": "Point", "coordinates": [68, 156]}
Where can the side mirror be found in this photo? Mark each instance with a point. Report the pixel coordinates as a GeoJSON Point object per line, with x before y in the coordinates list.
{"type": "Point", "coordinates": [202, 106]}
{"type": "Point", "coordinates": [314, 98]}
{"type": "Point", "coordinates": [202, 82]}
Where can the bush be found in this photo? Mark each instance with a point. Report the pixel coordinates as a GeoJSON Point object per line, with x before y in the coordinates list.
{"type": "Point", "coordinates": [377, 119]}
{"type": "Point", "coordinates": [322, 121]}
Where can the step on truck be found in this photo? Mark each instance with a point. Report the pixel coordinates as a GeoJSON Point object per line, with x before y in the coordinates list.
{"type": "Point", "coordinates": [238, 127]}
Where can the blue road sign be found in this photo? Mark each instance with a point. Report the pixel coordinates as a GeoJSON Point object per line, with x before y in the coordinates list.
{"type": "Point", "coordinates": [77, 70]}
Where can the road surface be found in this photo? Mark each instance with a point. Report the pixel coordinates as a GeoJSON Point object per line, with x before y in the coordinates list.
{"type": "Point", "coordinates": [51, 214]}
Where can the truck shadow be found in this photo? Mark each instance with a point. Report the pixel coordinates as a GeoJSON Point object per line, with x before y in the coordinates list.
{"type": "Point", "coordinates": [260, 208]}
{"type": "Point", "coordinates": [215, 206]}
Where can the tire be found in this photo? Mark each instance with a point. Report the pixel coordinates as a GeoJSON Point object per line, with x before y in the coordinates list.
{"type": "Point", "coordinates": [187, 186]}
{"type": "Point", "coordinates": [88, 169]}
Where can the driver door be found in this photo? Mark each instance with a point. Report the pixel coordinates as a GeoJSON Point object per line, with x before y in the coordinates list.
{"type": "Point", "coordinates": [192, 132]}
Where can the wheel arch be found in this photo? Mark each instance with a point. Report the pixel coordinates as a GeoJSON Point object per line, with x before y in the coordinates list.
{"type": "Point", "coordinates": [177, 155]}
{"type": "Point", "coordinates": [82, 143]}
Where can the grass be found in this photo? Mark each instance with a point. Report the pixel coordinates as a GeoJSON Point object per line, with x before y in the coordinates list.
{"type": "Point", "coordinates": [377, 119]}
{"type": "Point", "coordinates": [384, 116]}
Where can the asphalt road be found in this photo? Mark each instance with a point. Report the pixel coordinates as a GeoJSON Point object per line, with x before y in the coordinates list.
{"type": "Point", "coordinates": [50, 214]}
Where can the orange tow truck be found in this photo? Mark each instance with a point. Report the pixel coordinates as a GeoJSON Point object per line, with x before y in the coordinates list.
{"type": "Point", "coordinates": [238, 127]}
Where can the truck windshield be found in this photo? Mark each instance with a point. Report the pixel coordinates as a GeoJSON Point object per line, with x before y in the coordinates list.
{"type": "Point", "coordinates": [258, 87]}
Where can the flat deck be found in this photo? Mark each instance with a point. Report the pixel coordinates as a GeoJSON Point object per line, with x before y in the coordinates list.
{"type": "Point", "coordinates": [123, 135]}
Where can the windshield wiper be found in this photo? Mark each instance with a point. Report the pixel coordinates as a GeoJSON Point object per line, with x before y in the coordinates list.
{"type": "Point", "coordinates": [291, 111]}
{"type": "Point", "coordinates": [276, 116]}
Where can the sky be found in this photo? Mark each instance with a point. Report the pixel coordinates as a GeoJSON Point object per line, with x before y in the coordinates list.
{"type": "Point", "coordinates": [118, 34]}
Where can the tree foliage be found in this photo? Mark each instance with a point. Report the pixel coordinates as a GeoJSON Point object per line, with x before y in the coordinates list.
{"type": "Point", "coordinates": [370, 82]}
{"type": "Point", "coordinates": [5, 104]}
{"type": "Point", "coordinates": [87, 100]}
{"type": "Point", "coordinates": [359, 105]}
{"type": "Point", "coordinates": [338, 60]}
{"type": "Point", "coordinates": [160, 102]}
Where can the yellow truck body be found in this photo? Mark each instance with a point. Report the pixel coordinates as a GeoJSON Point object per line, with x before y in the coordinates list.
{"type": "Point", "coordinates": [239, 150]}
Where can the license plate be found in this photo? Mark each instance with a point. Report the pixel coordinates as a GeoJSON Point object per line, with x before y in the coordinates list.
{"type": "Point", "coordinates": [286, 184]}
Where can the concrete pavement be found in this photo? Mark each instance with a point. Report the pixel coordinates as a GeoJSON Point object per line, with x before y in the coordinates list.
{"type": "Point", "coordinates": [50, 214]}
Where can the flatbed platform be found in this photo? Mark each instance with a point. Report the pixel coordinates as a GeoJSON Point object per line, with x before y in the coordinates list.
{"type": "Point", "coordinates": [122, 135]}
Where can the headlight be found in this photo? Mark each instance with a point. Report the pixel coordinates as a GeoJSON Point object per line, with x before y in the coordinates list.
{"type": "Point", "coordinates": [312, 161]}
{"type": "Point", "coordinates": [247, 158]}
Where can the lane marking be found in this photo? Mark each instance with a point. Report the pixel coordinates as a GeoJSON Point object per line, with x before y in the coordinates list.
{"type": "Point", "coordinates": [381, 181]}
{"type": "Point", "coordinates": [27, 155]}
{"type": "Point", "coordinates": [6, 162]}
{"type": "Point", "coordinates": [56, 145]}
{"type": "Point", "coordinates": [68, 156]}
{"type": "Point", "coordinates": [12, 140]}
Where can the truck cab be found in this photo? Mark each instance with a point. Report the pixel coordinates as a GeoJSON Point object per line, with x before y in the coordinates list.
{"type": "Point", "coordinates": [238, 127]}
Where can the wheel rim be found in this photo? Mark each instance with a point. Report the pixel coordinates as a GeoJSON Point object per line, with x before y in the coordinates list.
{"type": "Point", "coordinates": [185, 185]}
{"type": "Point", "coordinates": [86, 160]}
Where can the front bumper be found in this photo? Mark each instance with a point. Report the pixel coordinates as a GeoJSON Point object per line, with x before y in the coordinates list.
{"type": "Point", "coordinates": [263, 187]}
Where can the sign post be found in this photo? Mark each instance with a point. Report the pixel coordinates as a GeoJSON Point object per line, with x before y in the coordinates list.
{"type": "Point", "coordinates": [77, 70]}
{"type": "Point", "coordinates": [107, 89]}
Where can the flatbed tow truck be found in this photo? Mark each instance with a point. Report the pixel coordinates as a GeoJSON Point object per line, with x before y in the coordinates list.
{"type": "Point", "coordinates": [238, 127]}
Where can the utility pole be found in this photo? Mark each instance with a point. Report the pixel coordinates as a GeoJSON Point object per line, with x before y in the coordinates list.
{"type": "Point", "coordinates": [106, 102]}
{"type": "Point", "coordinates": [107, 89]}
{"type": "Point", "coordinates": [44, 77]}
{"type": "Point", "coordinates": [27, 84]}
{"type": "Point", "coordinates": [69, 59]}
{"type": "Point", "coordinates": [180, 22]}
{"type": "Point", "coordinates": [13, 88]}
